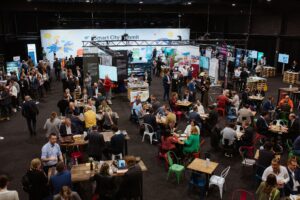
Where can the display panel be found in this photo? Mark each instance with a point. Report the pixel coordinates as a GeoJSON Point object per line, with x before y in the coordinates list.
{"type": "Point", "coordinates": [111, 71]}
{"type": "Point", "coordinates": [283, 58]}
{"type": "Point", "coordinates": [204, 62]}
{"type": "Point", "coordinates": [253, 54]}
{"type": "Point", "coordinates": [260, 55]}
{"type": "Point", "coordinates": [12, 67]}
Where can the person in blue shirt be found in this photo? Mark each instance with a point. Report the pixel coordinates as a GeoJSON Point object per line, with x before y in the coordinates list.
{"type": "Point", "coordinates": [62, 178]}
{"type": "Point", "coordinates": [192, 88]}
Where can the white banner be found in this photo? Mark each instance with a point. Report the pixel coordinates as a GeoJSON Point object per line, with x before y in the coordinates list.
{"type": "Point", "coordinates": [66, 42]}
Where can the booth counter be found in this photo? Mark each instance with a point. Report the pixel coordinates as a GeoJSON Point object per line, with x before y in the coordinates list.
{"type": "Point", "coordinates": [290, 77]}
{"type": "Point", "coordinates": [256, 82]}
{"type": "Point", "coordinates": [138, 89]}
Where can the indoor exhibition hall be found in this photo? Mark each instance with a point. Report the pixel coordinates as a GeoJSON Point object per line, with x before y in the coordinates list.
{"type": "Point", "coordinates": [149, 99]}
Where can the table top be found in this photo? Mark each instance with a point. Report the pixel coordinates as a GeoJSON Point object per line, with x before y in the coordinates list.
{"type": "Point", "coordinates": [161, 120]}
{"type": "Point", "coordinates": [77, 142]}
{"type": "Point", "coordinates": [239, 134]}
{"type": "Point", "coordinates": [293, 89]}
{"type": "Point", "coordinates": [278, 129]}
{"type": "Point", "coordinates": [82, 172]}
{"type": "Point", "coordinates": [290, 72]}
{"type": "Point", "coordinates": [183, 103]}
{"type": "Point", "coordinates": [199, 165]}
{"type": "Point", "coordinates": [257, 98]}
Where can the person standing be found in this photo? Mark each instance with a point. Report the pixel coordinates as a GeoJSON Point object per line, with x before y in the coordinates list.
{"type": "Point", "coordinates": [107, 87]}
{"type": "Point", "coordinates": [51, 153]}
{"type": "Point", "coordinates": [4, 193]}
{"type": "Point", "coordinates": [38, 181]}
{"type": "Point", "coordinates": [166, 85]}
{"type": "Point", "coordinates": [57, 69]}
{"type": "Point", "coordinates": [30, 111]}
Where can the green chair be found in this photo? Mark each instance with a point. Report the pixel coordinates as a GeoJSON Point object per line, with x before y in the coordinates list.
{"type": "Point", "coordinates": [290, 150]}
{"type": "Point", "coordinates": [174, 168]}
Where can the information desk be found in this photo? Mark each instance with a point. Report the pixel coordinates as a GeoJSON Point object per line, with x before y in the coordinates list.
{"type": "Point", "coordinates": [268, 71]}
{"type": "Point", "coordinates": [290, 77]}
{"type": "Point", "coordinates": [138, 89]}
{"type": "Point", "coordinates": [255, 82]}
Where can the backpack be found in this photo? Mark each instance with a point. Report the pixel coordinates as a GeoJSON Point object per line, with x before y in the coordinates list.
{"type": "Point", "coordinates": [26, 184]}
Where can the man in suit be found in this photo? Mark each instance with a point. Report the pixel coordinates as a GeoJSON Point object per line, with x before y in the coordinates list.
{"type": "Point", "coordinates": [294, 127]}
{"type": "Point", "coordinates": [262, 125]}
{"type": "Point", "coordinates": [166, 85]}
{"type": "Point", "coordinates": [149, 118]}
{"type": "Point", "coordinates": [30, 111]}
{"type": "Point", "coordinates": [96, 143]}
{"type": "Point", "coordinates": [292, 186]}
{"type": "Point", "coordinates": [194, 115]}
{"type": "Point", "coordinates": [67, 128]}
{"type": "Point", "coordinates": [212, 119]}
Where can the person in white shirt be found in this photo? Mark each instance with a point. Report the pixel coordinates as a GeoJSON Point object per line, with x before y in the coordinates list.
{"type": "Point", "coordinates": [237, 72]}
{"type": "Point", "coordinates": [200, 108]}
{"type": "Point", "coordinates": [13, 92]}
{"type": "Point", "coordinates": [228, 133]}
{"type": "Point", "coordinates": [52, 124]}
{"type": "Point", "coordinates": [235, 100]}
{"type": "Point", "coordinates": [188, 129]}
{"type": "Point", "coordinates": [4, 193]}
{"type": "Point", "coordinates": [279, 171]}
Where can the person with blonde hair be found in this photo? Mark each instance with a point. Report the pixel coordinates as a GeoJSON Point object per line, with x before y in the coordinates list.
{"type": "Point", "coordinates": [66, 194]}
{"type": "Point", "coordinates": [90, 117]}
{"type": "Point", "coordinates": [52, 124]}
{"type": "Point", "coordinates": [38, 180]}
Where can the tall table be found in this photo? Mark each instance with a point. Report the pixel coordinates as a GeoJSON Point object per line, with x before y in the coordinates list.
{"type": "Point", "coordinates": [199, 165]}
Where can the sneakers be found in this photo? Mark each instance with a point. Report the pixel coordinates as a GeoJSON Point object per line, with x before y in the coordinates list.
{"type": "Point", "coordinates": [37, 102]}
{"type": "Point", "coordinates": [14, 110]}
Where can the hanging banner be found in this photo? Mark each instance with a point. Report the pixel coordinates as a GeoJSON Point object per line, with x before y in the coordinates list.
{"type": "Point", "coordinates": [31, 51]}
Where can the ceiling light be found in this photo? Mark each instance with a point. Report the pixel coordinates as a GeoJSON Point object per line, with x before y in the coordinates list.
{"type": "Point", "coordinates": [269, 0]}
{"type": "Point", "coordinates": [28, 0]}
{"type": "Point", "coordinates": [141, 2]}
{"type": "Point", "coordinates": [189, 3]}
{"type": "Point", "coordinates": [233, 4]}
{"type": "Point", "coordinates": [87, 1]}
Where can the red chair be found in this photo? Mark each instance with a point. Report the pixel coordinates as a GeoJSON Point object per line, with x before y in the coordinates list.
{"type": "Point", "coordinates": [221, 111]}
{"type": "Point", "coordinates": [241, 194]}
{"type": "Point", "coordinates": [249, 151]}
{"type": "Point", "coordinates": [178, 114]}
{"type": "Point", "coordinates": [258, 137]}
{"type": "Point", "coordinates": [196, 155]}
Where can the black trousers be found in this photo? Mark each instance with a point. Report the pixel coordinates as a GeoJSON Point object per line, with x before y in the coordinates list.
{"type": "Point", "coordinates": [31, 124]}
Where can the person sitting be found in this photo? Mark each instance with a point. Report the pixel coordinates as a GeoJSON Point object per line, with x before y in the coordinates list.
{"type": "Point", "coordinates": [247, 138]}
{"type": "Point", "coordinates": [131, 181]}
{"type": "Point", "coordinates": [293, 127]}
{"type": "Point", "coordinates": [155, 104]}
{"type": "Point", "coordinates": [90, 117]}
{"type": "Point", "coordinates": [63, 104]}
{"type": "Point", "coordinates": [168, 141]}
{"type": "Point", "coordinates": [106, 186]}
{"type": "Point", "coordinates": [137, 107]}
{"type": "Point", "coordinates": [292, 186]}
{"type": "Point", "coordinates": [195, 116]}
{"type": "Point", "coordinates": [116, 145]}
{"type": "Point", "coordinates": [200, 108]}
{"type": "Point", "coordinates": [259, 92]}
{"type": "Point", "coordinates": [212, 119]}
{"type": "Point", "coordinates": [170, 118]}
{"type": "Point", "coordinates": [91, 104]}
{"type": "Point", "coordinates": [38, 181]}
{"type": "Point", "coordinates": [266, 155]}
{"type": "Point", "coordinates": [173, 101]}
{"type": "Point", "coordinates": [268, 105]}
{"type": "Point", "coordinates": [286, 104]}
{"type": "Point", "coordinates": [268, 189]}
{"type": "Point", "coordinates": [103, 107]}
{"type": "Point", "coordinates": [192, 144]}
{"type": "Point", "coordinates": [244, 114]}
{"type": "Point", "coordinates": [110, 118]}
{"type": "Point", "coordinates": [162, 110]}
{"type": "Point", "coordinates": [258, 69]}
{"type": "Point", "coordinates": [296, 146]}
{"type": "Point", "coordinates": [96, 143]}
{"type": "Point", "coordinates": [62, 178]}
{"type": "Point", "coordinates": [67, 128]}
{"type": "Point", "coordinates": [228, 138]}
{"type": "Point", "coordinates": [235, 100]}
{"type": "Point", "coordinates": [262, 125]}
{"type": "Point", "coordinates": [187, 96]}
{"type": "Point", "coordinates": [67, 194]}
{"type": "Point", "coordinates": [52, 124]}
{"type": "Point", "coordinates": [245, 96]}
{"type": "Point", "coordinates": [279, 171]}
{"type": "Point", "coordinates": [188, 128]}
{"type": "Point", "coordinates": [72, 110]}
{"type": "Point", "coordinates": [6, 194]}
{"type": "Point", "coordinates": [150, 119]}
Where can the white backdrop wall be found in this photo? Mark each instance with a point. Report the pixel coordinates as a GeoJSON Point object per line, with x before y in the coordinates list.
{"type": "Point", "coordinates": [66, 42]}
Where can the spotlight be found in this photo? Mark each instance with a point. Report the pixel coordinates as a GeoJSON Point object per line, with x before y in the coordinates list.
{"type": "Point", "coordinates": [189, 3]}
{"type": "Point", "coordinates": [87, 1]}
{"type": "Point", "coordinates": [141, 2]}
{"type": "Point", "coordinates": [233, 4]}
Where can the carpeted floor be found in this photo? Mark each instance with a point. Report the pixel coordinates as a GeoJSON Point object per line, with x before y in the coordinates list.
{"type": "Point", "coordinates": [16, 150]}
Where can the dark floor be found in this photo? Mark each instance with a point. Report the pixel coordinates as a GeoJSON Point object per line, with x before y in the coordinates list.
{"type": "Point", "coordinates": [17, 150]}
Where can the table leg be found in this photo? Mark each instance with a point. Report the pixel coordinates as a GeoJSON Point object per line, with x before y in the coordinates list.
{"type": "Point", "coordinates": [278, 96]}
{"type": "Point", "coordinates": [142, 190]}
{"type": "Point", "coordinates": [126, 147]}
{"type": "Point", "coordinates": [207, 184]}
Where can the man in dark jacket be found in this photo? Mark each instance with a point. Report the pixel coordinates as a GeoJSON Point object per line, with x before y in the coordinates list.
{"type": "Point", "coordinates": [194, 115]}
{"type": "Point", "coordinates": [96, 143]}
{"type": "Point", "coordinates": [5, 102]}
{"type": "Point", "coordinates": [262, 125]}
{"type": "Point", "coordinates": [166, 85]}
{"type": "Point", "coordinates": [292, 187]}
{"type": "Point", "coordinates": [294, 127]}
{"type": "Point", "coordinates": [30, 111]}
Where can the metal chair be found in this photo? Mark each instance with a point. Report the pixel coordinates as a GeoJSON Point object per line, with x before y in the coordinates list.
{"type": "Point", "coordinates": [147, 131]}
{"type": "Point", "coordinates": [219, 180]}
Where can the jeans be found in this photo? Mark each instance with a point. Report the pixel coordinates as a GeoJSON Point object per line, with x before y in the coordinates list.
{"type": "Point", "coordinates": [31, 124]}
{"type": "Point", "coordinates": [4, 109]}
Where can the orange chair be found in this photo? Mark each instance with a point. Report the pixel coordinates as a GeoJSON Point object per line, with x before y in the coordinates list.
{"type": "Point", "coordinates": [221, 111]}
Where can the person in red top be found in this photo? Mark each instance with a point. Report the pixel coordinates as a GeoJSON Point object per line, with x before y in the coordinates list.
{"type": "Point", "coordinates": [168, 141]}
{"type": "Point", "coordinates": [222, 100]}
{"type": "Point", "coordinates": [107, 88]}
{"type": "Point", "coordinates": [288, 101]}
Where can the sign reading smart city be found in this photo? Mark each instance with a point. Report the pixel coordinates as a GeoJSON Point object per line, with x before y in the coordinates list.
{"type": "Point", "coordinates": [66, 42]}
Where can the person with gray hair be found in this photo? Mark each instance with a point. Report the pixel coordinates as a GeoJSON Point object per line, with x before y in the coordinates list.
{"type": "Point", "coordinates": [30, 111]}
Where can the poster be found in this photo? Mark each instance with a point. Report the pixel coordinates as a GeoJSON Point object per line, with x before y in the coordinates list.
{"type": "Point", "coordinates": [66, 42]}
{"type": "Point", "coordinates": [204, 62]}
{"type": "Point", "coordinates": [213, 69]}
{"type": "Point", "coordinates": [31, 51]}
